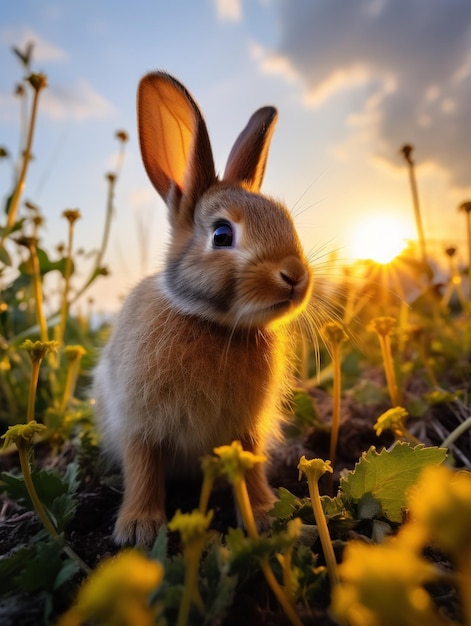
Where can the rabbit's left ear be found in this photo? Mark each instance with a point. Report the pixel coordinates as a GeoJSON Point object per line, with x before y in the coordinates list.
{"type": "Point", "coordinates": [248, 157]}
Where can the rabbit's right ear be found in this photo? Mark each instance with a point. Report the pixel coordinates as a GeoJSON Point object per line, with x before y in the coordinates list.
{"type": "Point", "coordinates": [175, 144]}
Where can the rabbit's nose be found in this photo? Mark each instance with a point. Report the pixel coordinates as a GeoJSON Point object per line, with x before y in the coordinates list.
{"type": "Point", "coordinates": [293, 272]}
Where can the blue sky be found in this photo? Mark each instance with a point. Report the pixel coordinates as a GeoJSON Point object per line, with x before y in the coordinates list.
{"type": "Point", "coordinates": [353, 82]}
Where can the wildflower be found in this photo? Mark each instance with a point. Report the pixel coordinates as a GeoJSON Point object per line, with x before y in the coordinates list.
{"type": "Point", "coordinates": [191, 526]}
{"type": "Point", "coordinates": [334, 333]}
{"type": "Point", "coordinates": [313, 470]}
{"type": "Point", "coordinates": [39, 349]}
{"type": "Point", "coordinates": [393, 419]}
{"type": "Point", "coordinates": [116, 593]}
{"type": "Point", "coordinates": [72, 215]}
{"type": "Point", "coordinates": [75, 353]}
{"type": "Point", "coordinates": [122, 136]}
{"type": "Point", "coordinates": [441, 503]}
{"type": "Point", "coordinates": [236, 461]}
{"type": "Point", "coordinates": [383, 585]}
{"type": "Point", "coordinates": [383, 326]}
{"type": "Point", "coordinates": [37, 81]}
{"type": "Point", "coordinates": [22, 434]}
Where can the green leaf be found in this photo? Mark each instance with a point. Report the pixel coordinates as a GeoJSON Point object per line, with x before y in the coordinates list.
{"type": "Point", "coordinates": [285, 505]}
{"type": "Point", "coordinates": [388, 475]}
{"type": "Point", "coordinates": [45, 264]}
{"type": "Point", "coordinates": [4, 256]}
{"type": "Point", "coordinates": [159, 549]}
{"type": "Point", "coordinates": [305, 414]}
{"type": "Point", "coordinates": [11, 566]}
{"type": "Point", "coordinates": [40, 572]}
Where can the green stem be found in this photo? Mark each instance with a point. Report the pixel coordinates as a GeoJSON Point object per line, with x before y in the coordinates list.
{"type": "Point", "coordinates": [280, 595]}
{"type": "Point", "coordinates": [206, 488]}
{"type": "Point", "coordinates": [13, 208]}
{"type": "Point", "coordinates": [323, 532]}
{"type": "Point", "coordinates": [243, 501]}
{"type": "Point", "coordinates": [65, 295]}
{"type": "Point", "coordinates": [385, 343]}
{"type": "Point", "coordinates": [33, 384]}
{"type": "Point", "coordinates": [38, 295]}
{"type": "Point", "coordinates": [40, 510]}
{"type": "Point", "coordinates": [192, 555]}
{"type": "Point", "coordinates": [245, 508]}
{"type": "Point", "coordinates": [337, 391]}
{"type": "Point", "coordinates": [457, 432]}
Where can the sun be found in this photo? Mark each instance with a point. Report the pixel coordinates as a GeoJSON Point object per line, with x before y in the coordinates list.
{"type": "Point", "coordinates": [379, 238]}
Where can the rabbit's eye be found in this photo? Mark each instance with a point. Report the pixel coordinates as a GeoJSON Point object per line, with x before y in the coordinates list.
{"type": "Point", "coordinates": [223, 235]}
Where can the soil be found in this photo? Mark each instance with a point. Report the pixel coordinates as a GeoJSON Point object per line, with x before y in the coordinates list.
{"type": "Point", "coordinates": [90, 531]}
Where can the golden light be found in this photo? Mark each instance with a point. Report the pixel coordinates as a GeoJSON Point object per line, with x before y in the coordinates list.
{"type": "Point", "coordinates": [379, 238]}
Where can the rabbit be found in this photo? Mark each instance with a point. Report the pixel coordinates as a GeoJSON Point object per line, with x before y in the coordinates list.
{"type": "Point", "coordinates": [200, 353]}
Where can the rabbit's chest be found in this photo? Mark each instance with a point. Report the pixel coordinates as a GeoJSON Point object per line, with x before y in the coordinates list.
{"type": "Point", "coordinates": [208, 389]}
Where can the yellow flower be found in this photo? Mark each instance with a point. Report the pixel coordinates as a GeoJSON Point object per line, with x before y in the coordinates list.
{"type": "Point", "coordinates": [236, 461]}
{"type": "Point", "coordinates": [21, 434]}
{"type": "Point", "coordinates": [39, 349]}
{"type": "Point", "coordinates": [382, 585]}
{"type": "Point", "coordinates": [383, 325]}
{"type": "Point", "coordinates": [314, 468]}
{"type": "Point", "coordinates": [334, 333]}
{"type": "Point", "coordinates": [116, 593]}
{"type": "Point", "coordinates": [191, 526]}
{"type": "Point", "coordinates": [393, 420]}
{"type": "Point", "coordinates": [75, 353]}
{"type": "Point", "coordinates": [441, 504]}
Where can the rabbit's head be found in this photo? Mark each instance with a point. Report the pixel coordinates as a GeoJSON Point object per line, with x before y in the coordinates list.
{"type": "Point", "coordinates": [234, 257]}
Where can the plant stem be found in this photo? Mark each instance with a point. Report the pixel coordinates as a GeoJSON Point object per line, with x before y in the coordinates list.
{"type": "Point", "coordinates": [13, 208]}
{"type": "Point", "coordinates": [70, 381]}
{"type": "Point", "coordinates": [33, 383]}
{"type": "Point", "coordinates": [324, 535]}
{"type": "Point", "coordinates": [242, 497]}
{"type": "Point", "coordinates": [337, 390]}
{"type": "Point", "coordinates": [38, 293]}
{"type": "Point", "coordinates": [65, 295]}
{"type": "Point", "coordinates": [456, 433]}
{"type": "Point", "coordinates": [385, 343]}
{"type": "Point", "coordinates": [190, 589]}
{"type": "Point", "coordinates": [243, 501]}
{"type": "Point", "coordinates": [40, 510]}
{"type": "Point", "coordinates": [280, 595]}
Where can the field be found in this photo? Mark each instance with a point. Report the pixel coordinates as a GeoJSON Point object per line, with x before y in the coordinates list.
{"type": "Point", "coordinates": [372, 523]}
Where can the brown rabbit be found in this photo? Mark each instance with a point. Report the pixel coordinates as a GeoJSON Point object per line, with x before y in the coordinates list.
{"type": "Point", "coordinates": [199, 355]}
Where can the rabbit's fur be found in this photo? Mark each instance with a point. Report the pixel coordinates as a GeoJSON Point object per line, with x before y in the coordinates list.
{"type": "Point", "coordinates": [199, 355]}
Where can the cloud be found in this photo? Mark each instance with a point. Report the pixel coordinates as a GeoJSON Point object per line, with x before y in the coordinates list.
{"type": "Point", "coordinates": [43, 50]}
{"type": "Point", "coordinates": [75, 102]}
{"type": "Point", "coordinates": [405, 66]}
{"type": "Point", "coordinates": [229, 10]}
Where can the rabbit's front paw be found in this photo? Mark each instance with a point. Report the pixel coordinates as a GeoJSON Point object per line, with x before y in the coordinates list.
{"type": "Point", "coordinates": [141, 531]}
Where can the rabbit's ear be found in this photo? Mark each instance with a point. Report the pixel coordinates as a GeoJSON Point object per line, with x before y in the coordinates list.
{"type": "Point", "coordinates": [175, 145]}
{"type": "Point", "coordinates": [248, 157]}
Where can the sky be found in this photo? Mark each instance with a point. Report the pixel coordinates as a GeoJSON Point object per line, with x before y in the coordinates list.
{"type": "Point", "coordinates": [353, 82]}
